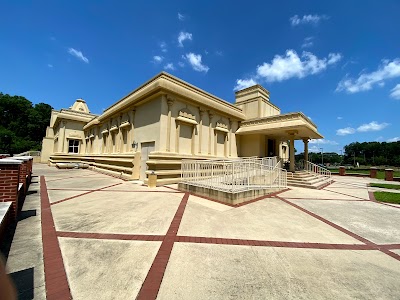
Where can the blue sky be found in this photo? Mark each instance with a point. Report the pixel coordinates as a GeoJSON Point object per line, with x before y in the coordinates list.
{"type": "Point", "coordinates": [338, 62]}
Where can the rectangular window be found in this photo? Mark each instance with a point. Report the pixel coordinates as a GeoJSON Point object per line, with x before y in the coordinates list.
{"type": "Point", "coordinates": [73, 146]}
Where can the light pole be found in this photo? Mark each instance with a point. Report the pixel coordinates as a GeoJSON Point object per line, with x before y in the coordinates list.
{"type": "Point", "coordinates": [322, 155]}
{"type": "Point", "coordinates": [341, 156]}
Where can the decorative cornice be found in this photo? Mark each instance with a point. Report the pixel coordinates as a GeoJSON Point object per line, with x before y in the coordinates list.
{"type": "Point", "coordinates": [278, 118]}
{"type": "Point", "coordinates": [186, 113]}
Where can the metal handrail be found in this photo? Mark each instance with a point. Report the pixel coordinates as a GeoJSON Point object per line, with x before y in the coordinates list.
{"type": "Point", "coordinates": [233, 175]}
{"type": "Point", "coordinates": [318, 171]}
{"type": "Point", "coordinates": [28, 153]}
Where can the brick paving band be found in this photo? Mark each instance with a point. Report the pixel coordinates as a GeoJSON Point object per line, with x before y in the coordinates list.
{"type": "Point", "coordinates": [224, 241]}
{"type": "Point", "coordinates": [344, 230]}
{"type": "Point", "coordinates": [372, 198]}
{"type": "Point", "coordinates": [152, 283]}
{"type": "Point", "coordinates": [110, 236]}
{"type": "Point", "coordinates": [57, 287]}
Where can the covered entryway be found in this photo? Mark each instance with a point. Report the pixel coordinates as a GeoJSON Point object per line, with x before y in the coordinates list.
{"type": "Point", "coordinates": [286, 127]}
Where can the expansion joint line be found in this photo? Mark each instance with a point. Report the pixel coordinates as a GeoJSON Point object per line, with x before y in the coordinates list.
{"type": "Point", "coordinates": [367, 242]}
{"type": "Point", "coordinates": [83, 194]}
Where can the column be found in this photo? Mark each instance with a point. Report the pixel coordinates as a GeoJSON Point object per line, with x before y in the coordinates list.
{"type": "Point", "coordinates": [230, 137]}
{"type": "Point", "coordinates": [170, 102]}
{"type": "Point", "coordinates": [131, 139]}
{"type": "Point", "coordinates": [305, 141]}
{"type": "Point", "coordinates": [109, 138]}
{"type": "Point", "coordinates": [210, 116]}
{"type": "Point", "coordinates": [201, 112]}
{"type": "Point", "coordinates": [291, 152]}
{"type": "Point", "coordinates": [178, 130]}
{"type": "Point", "coordinates": [61, 137]}
{"type": "Point", "coordinates": [193, 151]}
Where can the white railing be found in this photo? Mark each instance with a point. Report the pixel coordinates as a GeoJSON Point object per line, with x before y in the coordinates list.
{"type": "Point", "coordinates": [234, 175]}
{"type": "Point", "coordinates": [28, 153]}
{"type": "Point", "coordinates": [318, 171]}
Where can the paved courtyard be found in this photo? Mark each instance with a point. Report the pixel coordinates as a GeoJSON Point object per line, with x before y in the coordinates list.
{"type": "Point", "coordinates": [85, 235]}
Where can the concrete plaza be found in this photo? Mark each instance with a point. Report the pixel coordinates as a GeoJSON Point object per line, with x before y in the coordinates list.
{"type": "Point", "coordinates": [85, 235]}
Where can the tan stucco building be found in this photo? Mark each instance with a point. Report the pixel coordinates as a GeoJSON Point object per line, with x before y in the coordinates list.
{"type": "Point", "coordinates": [166, 120]}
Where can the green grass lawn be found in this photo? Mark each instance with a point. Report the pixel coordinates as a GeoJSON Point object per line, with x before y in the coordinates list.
{"type": "Point", "coordinates": [387, 197]}
{"type": "Point", "coordinates": [386, 186]}
{"type": "Point", "coordinates": [379, 174]}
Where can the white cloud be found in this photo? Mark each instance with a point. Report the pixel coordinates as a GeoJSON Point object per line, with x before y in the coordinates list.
{"type": "Point", "coordinates": [314, 149]}
{"type": "Point", "coordinates": [308, 42]}
{"type": "Point", "coordinates": [78, 54]}
{"type": "Point", "coordinates": [291, 65]}
{"type": "Point", "coordinates": [181, 17]}
{"type": "Point", "coordinates": [181, 64]}
{"type": "Point", "coordinates": [169, 66]}
{"type": "Point", "coordinates": [395, 139]}
{"type": "Point", "coordinates": [307, 19]}
{"type": "Point", "coordinates": [195, 61]}
{"type": "Point", "coordinates": [157, 59]}
{"type": "Point", "coordinates": [373, 126]}
{"type": "Point", "coordinates": [366, 81]}
{"type": "Point", "coordinates": [183, 36]}
{"type": "Point", "coordinates": [395, 92]}
{"type": "Point", "coordinates": [323, 142]}
{"type": "Point", "coordinates": [339, 118]}
{"type": "Point", "coordinates": [244, 83]}
{"type": "Point", "coordinates": [345, 131]}
{"type": "Point", "coordinates": [50, 66]}
{"type": "Point", "coordinates": [163, 46]}
{"type": "Point", "coordinates": [219, 53]}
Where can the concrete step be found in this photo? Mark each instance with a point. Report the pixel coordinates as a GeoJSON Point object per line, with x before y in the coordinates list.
{"type": "Point", "coordinates": [312, 180]}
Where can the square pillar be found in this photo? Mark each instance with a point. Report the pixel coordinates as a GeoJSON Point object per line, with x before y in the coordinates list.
{"type": "Point", "coordinates": [389, 174]}
{"type": "Point", "coordinates": [372, 172]}
{"type": "Point", "coordinates": [342, 171]}
{"type": "Point", "coordinates": [9, 182]}
{"type": "Point", "coordinates": [291, 153]}
{"type": "Point", "coordinates": [305, 141]}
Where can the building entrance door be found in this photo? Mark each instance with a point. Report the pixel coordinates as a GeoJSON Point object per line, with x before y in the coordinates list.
{"type": "Point", "coordinates": [271, 148]}
{"type": "Point", "coordinates": [146, 148]}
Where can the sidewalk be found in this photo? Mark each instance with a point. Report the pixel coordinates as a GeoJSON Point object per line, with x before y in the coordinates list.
{"type": "Point", "coordinates": [105, 238]}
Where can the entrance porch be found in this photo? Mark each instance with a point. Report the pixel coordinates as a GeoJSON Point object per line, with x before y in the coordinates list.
{"type": "Point", "coordinates": [276, 135]}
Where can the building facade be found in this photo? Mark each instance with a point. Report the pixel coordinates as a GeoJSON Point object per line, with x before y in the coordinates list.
{"type": "Point", "coordinates": [166, 120]}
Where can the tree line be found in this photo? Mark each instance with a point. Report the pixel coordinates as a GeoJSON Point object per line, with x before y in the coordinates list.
{"type": "Point", "coordinates": [366, 153]}
{"type": "Point", "coordinates": [22, 124]}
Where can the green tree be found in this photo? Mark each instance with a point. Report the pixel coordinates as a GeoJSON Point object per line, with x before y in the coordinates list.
{"type": "Point", "coordinates": [22, 125]}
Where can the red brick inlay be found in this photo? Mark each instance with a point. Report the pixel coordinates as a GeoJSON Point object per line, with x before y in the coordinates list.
{"type": "Point", "coordinates": [372, 198]}
{"type": "Point", "coordinates": [55, 277]}
{"type": "Point", "coordinates": [152, 283]}
{"type": "Point", "coordinates": [83, 194]}
{"type": "Point", "coordinates": [225, 241]}
{"type": "Point", "coordinates": [110, 236]}
{"type": "Point", "coordinates": [382, 248]}
{"type": "Point", "coordinates": [352, 234]}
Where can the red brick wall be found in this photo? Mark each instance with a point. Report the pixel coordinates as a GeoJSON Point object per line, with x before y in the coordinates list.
{"type": "Point", "coordinates": [9, 179]}
{"type": "Point", "coordinates": [22, 175]}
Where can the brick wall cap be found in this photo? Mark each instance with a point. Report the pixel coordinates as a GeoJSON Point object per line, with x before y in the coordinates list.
{"type": "Point", "coordinates": [4, 154]}
{"type": "Point", "coordinates": [9, 161]}
{"type": "Point", "coordinates": [388, 169]}
{"type": "Point", "coordinates": [373, 168]}
{"type": "Point", "coordinates": [24, 158]}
